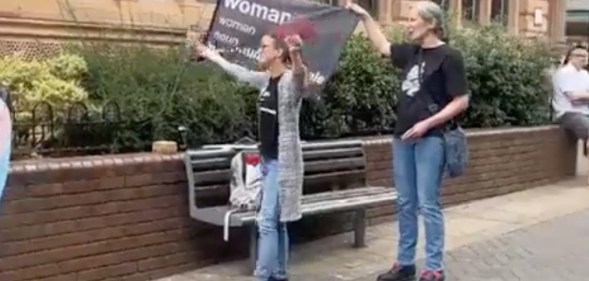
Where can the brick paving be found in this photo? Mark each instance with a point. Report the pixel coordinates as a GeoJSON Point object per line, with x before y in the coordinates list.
{"type": "Point", "coordinates": [556, 250]}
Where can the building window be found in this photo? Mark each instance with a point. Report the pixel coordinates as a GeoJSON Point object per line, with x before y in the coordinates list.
{"type": "Point", "coordinates": [500, 11]}
{"type": "Point", "coordinates": [445, 4]}
{"type": "Point", "coordinates": [470, 10]}
{"type": "Point", "coordinates": [329, 2]}
{"type": "Point", "coordinates": [577, 23]}
{"type": "Point", "coordinates": [369, 5]}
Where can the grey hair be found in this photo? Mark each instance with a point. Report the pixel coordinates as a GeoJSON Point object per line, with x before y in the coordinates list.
{"type": "Point", "coordinates": [432, 13]}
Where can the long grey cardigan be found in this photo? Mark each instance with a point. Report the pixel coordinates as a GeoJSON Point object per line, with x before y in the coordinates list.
{"type": "Point", "coordinates": [290, 155]}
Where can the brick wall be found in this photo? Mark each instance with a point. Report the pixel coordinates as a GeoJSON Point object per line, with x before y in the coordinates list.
{"type": "Point", "coordinates": [125, 217]}
{"type": "Point", "coordinates": [501, 161]}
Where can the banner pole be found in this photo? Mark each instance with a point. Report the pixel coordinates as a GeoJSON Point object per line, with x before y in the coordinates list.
{"type": "Point", "coordinates": [213, 19]}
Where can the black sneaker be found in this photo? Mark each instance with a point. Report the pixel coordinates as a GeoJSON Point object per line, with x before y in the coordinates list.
{"type": "Point", "coordinates": [274, 279]}
{"type": "Point", "coordinates": [429, 275]}
{"type": "Point", "coordinates": [398, 273]}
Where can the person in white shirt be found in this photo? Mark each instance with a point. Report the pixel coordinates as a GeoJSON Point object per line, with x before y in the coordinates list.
{"type": "Point", "coordinates": [571, 93]}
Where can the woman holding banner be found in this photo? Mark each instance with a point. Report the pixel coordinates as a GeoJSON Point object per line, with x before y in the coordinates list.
{"type": "Point", "coordinates": [433, 92]}
{"type": "Point", "coordinates": [281, 83]}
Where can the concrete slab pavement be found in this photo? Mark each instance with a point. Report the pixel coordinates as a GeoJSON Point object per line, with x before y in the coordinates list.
{"type": "Point", "coordinates": [490, 239]}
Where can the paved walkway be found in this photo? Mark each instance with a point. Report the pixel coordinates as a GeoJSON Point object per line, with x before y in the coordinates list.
{"type": "Point", "coordinates": [537, 234]}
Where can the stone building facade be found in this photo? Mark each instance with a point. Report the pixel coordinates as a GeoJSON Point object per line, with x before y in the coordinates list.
{"type": "Point", "coordinates": [39, 26]}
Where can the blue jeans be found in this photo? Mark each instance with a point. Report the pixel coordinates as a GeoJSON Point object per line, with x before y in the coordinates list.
{"type": "Point", "coordinates": [418, 167]}
{"type": "Point", "coordinates": [273, 239]}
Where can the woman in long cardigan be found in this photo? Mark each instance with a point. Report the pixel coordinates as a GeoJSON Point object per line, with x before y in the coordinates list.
{"type": "Point", "coordinates": [281, 84]}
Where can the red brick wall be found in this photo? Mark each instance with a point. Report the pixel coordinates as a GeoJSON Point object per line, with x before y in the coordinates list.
{"type": "Point", "coordinates": [501, 161]}
{"type": "Point", "coordinates": [125, 217]}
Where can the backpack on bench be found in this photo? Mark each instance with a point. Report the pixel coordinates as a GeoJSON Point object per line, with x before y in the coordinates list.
{"type": "Point", "coordinates": [245, 186]}
{"type": "Point", "coordinates": [246, 181]}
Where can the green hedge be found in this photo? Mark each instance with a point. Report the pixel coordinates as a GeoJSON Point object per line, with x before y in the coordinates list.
{"type": "Point", "coordinates": [156, 87]}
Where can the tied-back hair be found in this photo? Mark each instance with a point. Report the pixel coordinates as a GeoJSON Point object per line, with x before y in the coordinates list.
{"type": "Point", "coordinates": [434, 14]}
{"type": "Point", "coordinates": [279, 43]}
{"type": "Point", "coordinates": [567, 57]}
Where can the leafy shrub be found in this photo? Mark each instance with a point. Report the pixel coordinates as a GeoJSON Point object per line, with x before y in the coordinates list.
{"type": "Point", "coordinates": [506, 77]}
{"type": "Point", "coordinates": [56, 81]}
{"type": "Point", "coordinates": [158, 92]}
{"type": "Point", "coordinates": [359, 99]}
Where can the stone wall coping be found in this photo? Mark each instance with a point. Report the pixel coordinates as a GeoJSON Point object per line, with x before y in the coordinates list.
{"type": "Point", "coordinates": [113, 160]}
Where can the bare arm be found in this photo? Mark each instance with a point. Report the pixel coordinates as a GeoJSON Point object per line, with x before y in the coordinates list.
{"type": "Point", "coordinates": [373, 31]}
{"type": "Point", "coordinates": [455, 107]}
{"type": "Point", "coordinates": [376, 36]}
{"type": "Point", "coordinates": [299, 70]}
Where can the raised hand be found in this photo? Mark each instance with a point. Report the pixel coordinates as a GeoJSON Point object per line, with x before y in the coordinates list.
{"type": "Point", "coordinates": [294, 43]}
{"type": "Point", "coordinates": [201, 49]}
{"type": "Point", "coordinates": [356, 9]}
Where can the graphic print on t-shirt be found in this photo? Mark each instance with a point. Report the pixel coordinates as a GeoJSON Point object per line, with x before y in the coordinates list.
{"type": "Point", "coordinates": [263, 101]}
{"type": "Point", "coordinates": [412, 83]}
{"type": "Point", "coordinates": [268, 125]}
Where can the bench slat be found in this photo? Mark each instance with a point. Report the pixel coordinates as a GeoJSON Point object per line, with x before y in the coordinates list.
{"type": "Point", "coordinates": [212, 177]}
{"type": "Point", "coordinates": [332, 153]}
{"type": "Point", "coordinates": [328, 166]}
{"type": "Point", "coordinates": [336, 178]}
{"type": "Point", "coordinates": [342, 194]}
{"type": "Point", "coordinates": [199, 165]}
{"type": "Point", "coordinates": [209, 153]}
{"type": "Point", "coordinates": [222, 173]}
{"type": "Point", "coordinates": [337, 203]}
{"type": "Point", "coordinates": [313, 167]}
{"type": "Point", "coordinates": [331, 145]}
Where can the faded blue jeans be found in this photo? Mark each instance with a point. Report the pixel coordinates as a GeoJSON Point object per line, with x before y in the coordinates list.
{"type": "Point", "coordinates": [273, 236]}
{"type": "Point", "coordinates": [418, 167]}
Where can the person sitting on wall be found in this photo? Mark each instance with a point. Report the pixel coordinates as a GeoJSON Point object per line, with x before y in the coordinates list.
{"type": "Point", "coordinates": [571, 93]}
{"type": "Point", "coordinates": [5, 136]}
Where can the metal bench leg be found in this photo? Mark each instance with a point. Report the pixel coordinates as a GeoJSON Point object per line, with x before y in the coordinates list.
{"type": "Point", "coordinates": [360, 228]}
{"type": "Point", "coordinates": [253, 248]}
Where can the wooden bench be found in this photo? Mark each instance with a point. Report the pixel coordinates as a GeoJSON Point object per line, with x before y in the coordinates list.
{"type": "Point", "coordinates": [334, 182]}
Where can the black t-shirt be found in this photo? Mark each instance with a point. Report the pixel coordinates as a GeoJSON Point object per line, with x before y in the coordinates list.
{"type": "Point", "coordinates": [268, 124]}
{"type": "Point", "coordinates": [431, 78]}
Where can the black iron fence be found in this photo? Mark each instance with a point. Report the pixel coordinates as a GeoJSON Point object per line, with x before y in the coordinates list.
{"type": "Point", "coordinates": [79, 129]}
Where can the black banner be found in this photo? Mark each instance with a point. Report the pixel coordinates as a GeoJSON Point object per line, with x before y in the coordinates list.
{"type": "Point", "coordinates": [238, 26]}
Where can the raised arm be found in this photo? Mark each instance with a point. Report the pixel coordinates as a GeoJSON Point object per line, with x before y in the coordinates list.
{"type": "Point", "coordinates": [254, 78]}
{"type": "Point", "coordinates": [373, 31]}
{"type": "Point", "coordinates": [299, 70]}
